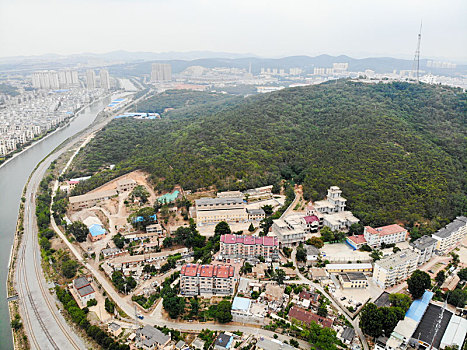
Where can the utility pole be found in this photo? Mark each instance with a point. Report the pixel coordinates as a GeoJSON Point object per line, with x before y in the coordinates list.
{"type": "Point", "coordinates": [416, 60]}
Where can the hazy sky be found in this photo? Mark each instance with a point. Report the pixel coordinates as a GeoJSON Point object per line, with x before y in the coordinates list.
{"type": "Point", "coordinates": [270, 28]}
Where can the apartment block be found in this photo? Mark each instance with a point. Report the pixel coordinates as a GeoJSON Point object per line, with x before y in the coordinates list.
{"type": "Point", "coordinates": [451, 235]}
{"type": "Point", "coordinates": [386, 234]}
{"type": "Point", "coordinates": [249, 247]}
{"type": "Point", "coordinates": [215, 210]}
{"type": "Point", "coordinates": [207, 280]}
{"type": "Point", "coordinates": [290, 230]}
{"type": "Point", "coordinates": [425, 247]}
{"type": "Point", "coordinates": [161, 72]}
{"type": "Point", "coordinates": [395, 268]}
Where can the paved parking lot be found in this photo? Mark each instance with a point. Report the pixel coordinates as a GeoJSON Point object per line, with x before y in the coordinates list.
{"type": "Point", "coordinates": [341, 252]}
{"type": "Point", "coordinates": [360, 295]}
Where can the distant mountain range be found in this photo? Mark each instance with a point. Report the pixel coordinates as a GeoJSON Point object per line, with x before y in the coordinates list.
{"type": "Point", "coordinates": [126, 63]}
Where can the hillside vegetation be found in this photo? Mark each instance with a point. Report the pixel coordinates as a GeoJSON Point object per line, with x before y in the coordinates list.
{"type": "Point", "coordinates": [398, 150]}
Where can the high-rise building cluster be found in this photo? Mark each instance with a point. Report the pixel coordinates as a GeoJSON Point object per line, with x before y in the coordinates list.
{"type": "Point", "coordinates": [55, 80]}
{"type": "Point", "coordinates": [161, 72]}
{"type": "Point", "coordinates": [91, 79]}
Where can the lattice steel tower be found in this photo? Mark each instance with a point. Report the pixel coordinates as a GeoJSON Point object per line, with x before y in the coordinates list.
{"type": "Point", "coordinates": [416, 60]}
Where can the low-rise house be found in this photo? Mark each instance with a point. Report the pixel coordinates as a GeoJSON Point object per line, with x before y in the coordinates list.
{"type": "Point", "coordinates": [223, 341]}
{"type": "Point", "coordinates": [306, 317]}
{"type": "Point", "coordinates": [198, 344]}
{"type": "Point", "coordinates": [450, 283]}
{"type": "Point", "coordinates": [113, 252]}
{"type": "Point", "coordinates": [96, 233]}
{"type": "Point", "coordinates": [272, 344]}
{"type": "Point", "coordinates": [245, 310]}
{"type": "Point", "coordinates": [259, 271]}
{"type": "Point", "coordinates": [84, 290]}
{"type": "Point", "coordinates": [353, 280]}
{"type": "Point", "coordinates": [450, 235]}
{"type": "Point", "coordinates": [255, 214]}
{"type": "Point", "coordinates": [347, 336]}
{"type": "Point", "coordinates": [155, 228]}
{"type": "Point", "coordinates": [274, 292]}
{"type": "Point", "coordinates": [389, 234]}
{"type": "Point", "coordinates": [312, 297]}
{"type": "Point", "coordinates": [356, 242]}
{"type": "Point", "coordinates": [150, 338]}
{"type": "Point", "coordinates": [318, 274]}
{"type": "Point", "coordinates": [425, 247]}
{"type": "Point", "coordinates": [115, 329]}
{"type": "Point", "coordinates": [312, 254]}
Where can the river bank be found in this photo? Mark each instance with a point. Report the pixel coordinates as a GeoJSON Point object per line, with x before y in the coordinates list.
{"type": "Point", "coordinates": [13, 177]}
{"type": "Point", "coordinates": [49, 133]}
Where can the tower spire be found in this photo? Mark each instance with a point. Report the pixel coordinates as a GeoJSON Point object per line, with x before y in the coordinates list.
{"type": "Point", "coordinates": [416, 60]}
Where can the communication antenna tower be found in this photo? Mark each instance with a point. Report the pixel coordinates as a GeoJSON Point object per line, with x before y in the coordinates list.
{"type": "Point", "coordinates": [416, 60]}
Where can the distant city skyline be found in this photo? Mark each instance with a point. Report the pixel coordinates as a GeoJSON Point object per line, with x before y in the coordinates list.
{"type": "Point", "coordinates": [359, 28]}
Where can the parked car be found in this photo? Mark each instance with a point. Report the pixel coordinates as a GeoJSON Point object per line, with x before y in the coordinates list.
{"type": "Point", "coordinates": [343, 298]}
{"type": "Point", "coordinates": [141, 317]}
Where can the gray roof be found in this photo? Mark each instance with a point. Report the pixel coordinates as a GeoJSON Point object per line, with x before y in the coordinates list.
{"type": "Point", "coordinates": [222, 340]}
{"type": "Point", "coordinates": [217, 201]}
{"type": "Point", "coordinates": [85, 290]}
{"type": "Point", "coordinates": [153, 336]}
{"type": "Point", "coordinates": [348, 333]}
{"type": "Point", "coordinates": [180, 344]}
{"type": "Point", "coordinates": [423, 242]}
{"type": "Point", "coordinates": [452, 227]}
{"type": "Point", "coordinates": [80, 282]}
{"type": "Point", "coordinates": [114, 326]}
{"type": "Point", "coordinates": [256, 211]}
{"type": "Point", "coordinates": [273, 344]}
{"type": "Point", "coordinates": [312, 250]}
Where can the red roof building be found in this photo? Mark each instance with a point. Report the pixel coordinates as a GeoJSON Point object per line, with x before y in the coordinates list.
{"type": "Point", "coordinates": [198, 279]}
{"type": "Point", "coordinates": [307, 317]}
{"type": "Point", "coordinates": [249, 247]}
{"type": "Point", "coordinates": [386, 234]}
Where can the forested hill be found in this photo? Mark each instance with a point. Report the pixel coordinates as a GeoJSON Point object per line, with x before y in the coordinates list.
{"type": "Point", "coordinates": [398, 150]}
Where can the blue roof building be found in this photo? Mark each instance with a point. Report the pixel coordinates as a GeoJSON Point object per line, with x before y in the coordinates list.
{"type": "Point", "coordinates": [96, 232]}
{"type": "Point", "coordinates": [419, 306]}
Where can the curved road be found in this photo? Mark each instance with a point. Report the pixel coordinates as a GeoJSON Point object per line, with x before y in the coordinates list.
{"type": "Point", "coordinates": [355, 322]}
{"type": "Point", "coordinates": [44, 325]}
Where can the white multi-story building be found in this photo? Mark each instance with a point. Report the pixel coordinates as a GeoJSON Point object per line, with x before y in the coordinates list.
{"type": "Point", "coordinates": [451, 235]}
{"type": "Point", "coordinates": [395, 268]}
{"type": "Point", "coordinates": [207, 280]}
{"type": "Point", "coordinates": [90, 79]}
{"type": "Point", "coordinates": [425, 247]}
{"type": "Point", "coordinates": [105, 79]}
{"type": "Point", "coordinates": [290, 230]}
{"type": "Point", "coordinates": [386, 234]}
{"type": "Point", "coordinates": [331, 211]}
{"type": "Point", "coordinates": [249, 247]}
{"type": "Point", "coordinates": [45, 80]}
{"type": "Point", "coordinates": [215, 210]}
{"type": "Point", "coordinates": [161, 72]}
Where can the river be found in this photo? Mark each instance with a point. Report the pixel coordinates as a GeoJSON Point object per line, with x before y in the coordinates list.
{"type": "Point", "coordinates": [13, 177]}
